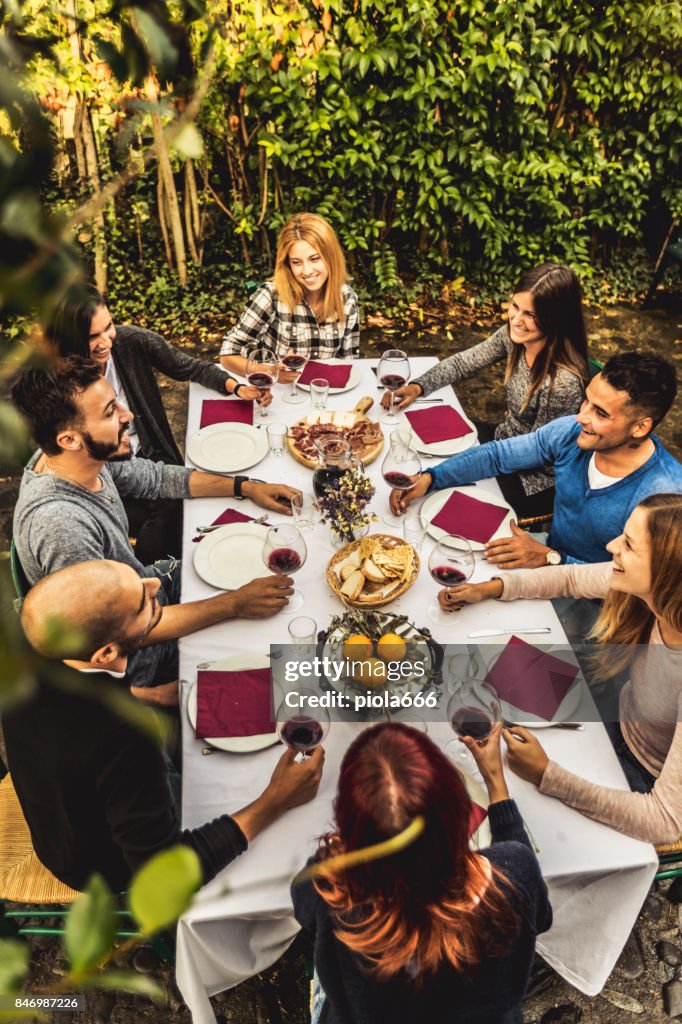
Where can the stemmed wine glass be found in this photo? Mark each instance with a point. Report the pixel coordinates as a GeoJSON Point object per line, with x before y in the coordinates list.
{"type": "Point", "coordinates": [451, 562]}
{"type": "Point", "coordinates": [285, 553]}
{"type": "Point", "coordinates": [473, 710]}
{"type": "Point", "coordinates": [294, 362]}
{"type": "Point", "coordinates": [393, 372]}
{"type": "Point", "coordinates": [401, 469]}
{"type": "Point", "coordinates": [300, 728]}
{"type": "Point", "coordinates": [262, 370]}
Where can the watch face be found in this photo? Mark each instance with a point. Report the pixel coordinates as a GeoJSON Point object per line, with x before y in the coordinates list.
{"type": "Point", "coordinates": [553, 558]}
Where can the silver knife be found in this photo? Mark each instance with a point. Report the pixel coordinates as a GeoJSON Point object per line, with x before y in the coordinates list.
{"type": "Point", "coordinates": [480, 633]}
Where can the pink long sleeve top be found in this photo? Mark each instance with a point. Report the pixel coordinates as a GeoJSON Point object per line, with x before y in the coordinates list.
{"type": "Point", "coordinates": [650, 707]}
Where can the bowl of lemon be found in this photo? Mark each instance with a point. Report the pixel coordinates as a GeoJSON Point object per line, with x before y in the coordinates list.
{"type": "Point", "coordinates": [373, 650]}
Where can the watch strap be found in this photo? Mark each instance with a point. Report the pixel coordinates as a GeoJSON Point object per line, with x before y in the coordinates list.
{"type": "Point", "coordinates": [238, 481]}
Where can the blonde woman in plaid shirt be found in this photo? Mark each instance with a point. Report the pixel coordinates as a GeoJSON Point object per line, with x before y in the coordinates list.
{"type": "Point", "coordinates": [308, 307]}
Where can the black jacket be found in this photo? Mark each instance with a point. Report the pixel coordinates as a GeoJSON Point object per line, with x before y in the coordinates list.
{"type": "Point", "coordinates": [137, 353]}
{"type": "Point", "coordinates": [94, 788]}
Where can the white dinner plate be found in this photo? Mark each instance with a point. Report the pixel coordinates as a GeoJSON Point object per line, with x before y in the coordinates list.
{"type": "Point", "coordinates": [489, 653]}
{"type": "Point", "coordinates": [351, 383]}
{"type": "Point", "coordinates": [444, 448]}
{"type": "Point", "coordinates": [434, 502]}
{"type": "Point", "coordinates": [227, 447]}
{"type": "Point", "coordinates": [233, 744]}
{"type": "Point", "coordinates": [231, 556]}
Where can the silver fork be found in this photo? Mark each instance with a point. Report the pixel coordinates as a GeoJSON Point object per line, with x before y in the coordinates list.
{"type": "Point", "coordinates": [261, 521]}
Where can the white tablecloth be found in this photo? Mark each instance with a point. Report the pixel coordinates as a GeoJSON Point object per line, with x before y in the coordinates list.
{"type": "Point", "coordinates": [241, 922]}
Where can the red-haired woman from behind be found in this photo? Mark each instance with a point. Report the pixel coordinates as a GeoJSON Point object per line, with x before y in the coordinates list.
{"type": "Point", "coordinates": [438, 932]}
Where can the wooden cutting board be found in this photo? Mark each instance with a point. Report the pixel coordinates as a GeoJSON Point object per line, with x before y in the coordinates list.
{"type": "Point", "coordinates": [345, 422]}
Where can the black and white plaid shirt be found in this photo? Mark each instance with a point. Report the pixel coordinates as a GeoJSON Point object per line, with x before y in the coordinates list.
{"type": "Point", "coordinates": [268, 322]}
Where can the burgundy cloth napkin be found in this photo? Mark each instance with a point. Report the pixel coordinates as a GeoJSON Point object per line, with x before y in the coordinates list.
{"type": "Point", "coordinates": [468, 517]}
{"type": "Point", "coordinates": [230, 515]}
{"type": "Point", "coordinates": [434, 425]}
{"type": "Point", "coordinates": [225, 410]}
{"type": "Point", "coordinates": [530, 679]}
{"type": "Point", "coordinates": [476, 818]}
{"type": "Point", "coordinates": [336, 375]}
{"type": "Point", "coordinates": [233, 703]}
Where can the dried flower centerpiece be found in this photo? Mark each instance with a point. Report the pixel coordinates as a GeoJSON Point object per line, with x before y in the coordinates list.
{"type": "Point", "coordinates": [344, 506]}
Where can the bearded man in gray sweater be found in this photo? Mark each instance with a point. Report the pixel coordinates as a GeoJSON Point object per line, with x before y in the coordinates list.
{"type": "Point", "coordinates": [70, 509]}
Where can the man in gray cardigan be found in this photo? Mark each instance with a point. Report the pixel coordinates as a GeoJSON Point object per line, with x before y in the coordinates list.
{"type": "Point", "coordinates": [70, 508]}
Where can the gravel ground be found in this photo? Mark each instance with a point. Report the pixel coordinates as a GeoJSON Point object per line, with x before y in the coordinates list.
{"type": "Point", "coordinates": [646, 985]}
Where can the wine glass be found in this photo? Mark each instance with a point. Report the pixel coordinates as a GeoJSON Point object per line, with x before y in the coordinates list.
{"type": "Point", "coordinates": [284, 552]}
{"type": "Point", "coordinates": [452, 561]}
{"type": "Point", "coordinates": [294, 362]}
{"type": "Point", "coordinates": [393, 372]}
{"type": "Point", "coordinates": [300, 727]}
{"type": "Point", "coordinates": [262, 370]}
{"type": "Point", "coordinates": [473, 710]}
{"type": "Point", "coordinates": [400, 469]}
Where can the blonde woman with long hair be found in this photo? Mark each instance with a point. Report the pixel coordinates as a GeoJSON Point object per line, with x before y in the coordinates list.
{"type": "Point", "coordinates": [639, 628]}
{"type": "Point", "coordinates": [307, 307]}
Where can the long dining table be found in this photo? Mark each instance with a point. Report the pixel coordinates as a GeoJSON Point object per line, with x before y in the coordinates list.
{"type": "Point", "coordinates": [241, 922]}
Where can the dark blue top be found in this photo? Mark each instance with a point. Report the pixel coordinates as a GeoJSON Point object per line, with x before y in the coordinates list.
{"type": "Point", "coordinates": [489, 995]}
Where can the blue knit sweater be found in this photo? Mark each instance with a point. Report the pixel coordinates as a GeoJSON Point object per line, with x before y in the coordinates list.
{"type": "Point", "coordinates": [585, 520]}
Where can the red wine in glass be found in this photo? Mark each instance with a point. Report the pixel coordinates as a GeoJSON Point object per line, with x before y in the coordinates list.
{"type": "Point", "coordinates": [302, 733]}
{"type": "Point", "coordinates": [473, 722]}
{"type": "Point", "coordinates": [399, 480]}
{"type": "Point", "coordinates": [284, 561]}
{"type": "Point", "coordinates": [260, 380]}
{"type": "Point", "coordinates": [392, 381]}
{"type": "Point", "coordinates": [294, 362]}
{"type": "Point", "coordinates": [447, 575]}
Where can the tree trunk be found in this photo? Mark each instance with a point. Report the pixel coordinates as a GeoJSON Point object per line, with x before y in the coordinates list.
{"type": "Point", "coordinates": [193, 225]}
{"type": "Point", "coordinates": [168, 184]}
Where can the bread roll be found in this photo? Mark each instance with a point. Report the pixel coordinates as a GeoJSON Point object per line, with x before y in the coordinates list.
{"type": "Point", "coordinates": [352, 588]}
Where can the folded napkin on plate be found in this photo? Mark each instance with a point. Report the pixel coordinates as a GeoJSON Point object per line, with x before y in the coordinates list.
{"type": "Point", "coordinates": [468, 517]}
{"type": "Point", "coordinates": [336, 375]}
{"type": "Point", "coordinates": [230, 515]}
{"type": "Point", "coordinates": [225, 410]}
{"type": "Point", "coordinates": [233, 703]}
{"type": "Point", "coordinates": [432, 425]}
{"type": "Point", "coordinates": [476, 818]}
{"type": "Point", "coordinates": [530, 679]}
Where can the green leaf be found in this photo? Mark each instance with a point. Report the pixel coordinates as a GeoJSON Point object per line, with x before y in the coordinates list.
{"type": "Point", "coordinates": [163, 888]}
{"type": "Point", "coordinates": [14, 963]}
{"type": "Point", "coordinates": [188, 143]}
{"type": "Point", "coordinates": [127, 981]}
{"type": "Point", "coordinates": [90, 927]}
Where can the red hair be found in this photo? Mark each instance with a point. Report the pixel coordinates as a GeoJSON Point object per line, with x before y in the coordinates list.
{"type": "Point", "coordinates": [426, 905]}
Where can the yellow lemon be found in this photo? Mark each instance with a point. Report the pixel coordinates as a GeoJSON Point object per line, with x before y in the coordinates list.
{"type": "Point", "coordinates": [391, 647]}
{"type": "Point", "coordinates": [357, 647]}
{"type": "Point", "coordinates": [370, 672]}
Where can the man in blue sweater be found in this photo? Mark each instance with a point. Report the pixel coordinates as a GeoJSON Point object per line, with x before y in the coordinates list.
{"type": "Point", "coordinates": [605, 461]}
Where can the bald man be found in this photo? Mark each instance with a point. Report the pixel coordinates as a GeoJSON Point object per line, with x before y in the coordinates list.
{"type": "Point", "coordinates": [94, 789]}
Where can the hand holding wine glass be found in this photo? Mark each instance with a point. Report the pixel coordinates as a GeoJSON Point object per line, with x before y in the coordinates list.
{"type": "Point", "coordinates": [400, 469]}
{"type": "Point", "coordinates": [285, 552]}
{"type": "Point", "coordinates": [473, 710]}
{"type": "Point", "coordinates": [393, 372]}
{"type": "Point", "coordinates": [293, 364]}
{"type": "Point", "coordinates": [262, 370]}
{"type": "Point", "coordinates": [451, 562]}
{"type": "Point", "coordinates": [299, 726]}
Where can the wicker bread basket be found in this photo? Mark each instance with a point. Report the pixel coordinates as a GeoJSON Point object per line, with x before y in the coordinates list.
{"type": "Point", "coordinates": [370, 600]}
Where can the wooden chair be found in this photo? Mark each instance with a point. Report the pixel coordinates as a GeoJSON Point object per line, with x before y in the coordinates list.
{"type": "Point", "coordinates": [26, 882]}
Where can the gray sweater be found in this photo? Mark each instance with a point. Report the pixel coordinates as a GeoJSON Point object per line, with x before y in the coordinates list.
{"type": "Point", "coordinates": [560, 397]}
{"type": "Point", "coordinates": [58, 523]}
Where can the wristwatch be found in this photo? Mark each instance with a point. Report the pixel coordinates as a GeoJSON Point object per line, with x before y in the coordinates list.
{"type": "Point", "coordinates": [553, 557]}
{"type": "Point", "coordinates": [238, 481]}
{"type": "Point", "coordinates": [236, 389]}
